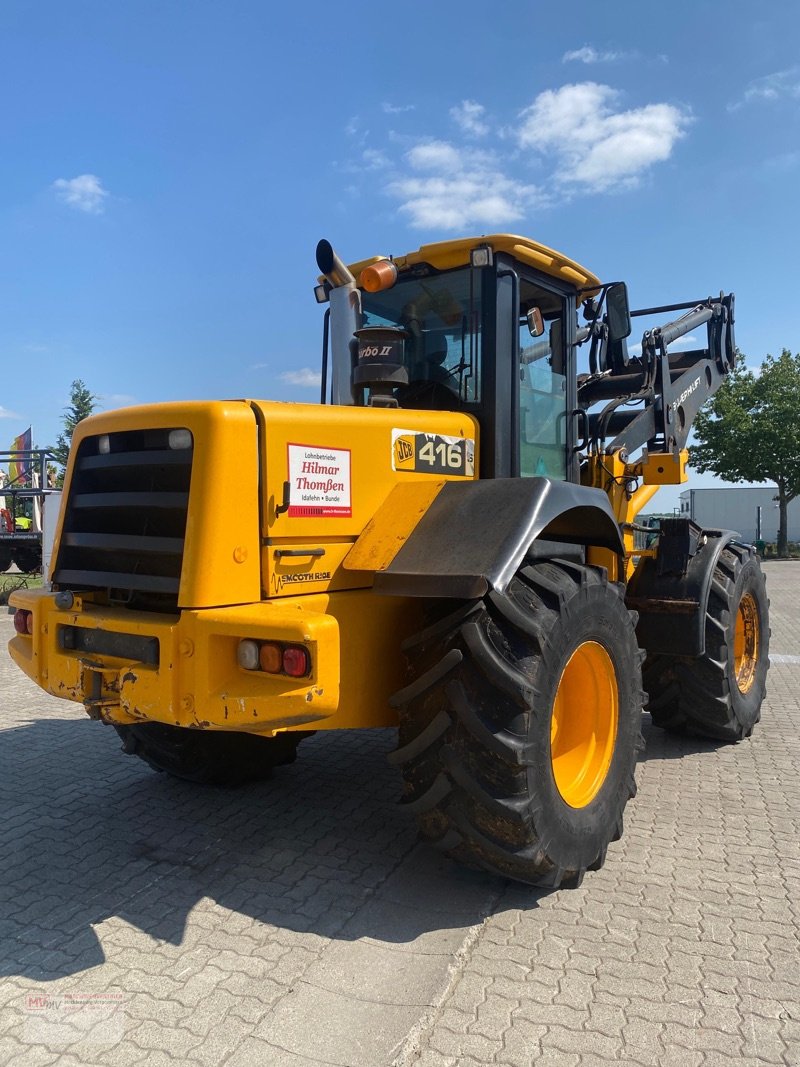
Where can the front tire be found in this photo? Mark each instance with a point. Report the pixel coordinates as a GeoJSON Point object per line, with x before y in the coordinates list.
{"type": "Point", "coordinates": [209, 757]}
{"type": "Point", "coordinates": [719, 695]}
{"type": "Point", "coordinates": [518, 736]}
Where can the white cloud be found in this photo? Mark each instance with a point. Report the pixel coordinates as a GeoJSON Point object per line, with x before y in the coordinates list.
{"type": "Point", "coordinates": [84, 193]}
{"type": "Point", "coordinates": [470, 117]}
{"type": "Point", "coordinates": [392, 109]}
{"type": "Point", "coordinates": [119, 400]}
{"type": "Point", "coordinates": [373, 159]}
{"type": "Point", "coordinates": [306, 378]}
{"type": "Point", "coordinates": [783, 83]}
{"type": "Point", "coordinates": [785, 161]}
{"type": "Point", "coordinates": [596, 147]}
{"type": "Point", "coordinates": [6, 414]}
{"type": "Point", "coordinates": [780, 85]}
{"type": "Point", "coordinates": [434, 155]}
{"type": "Point", "coordinates": [589, 54]}
{"type": "Point", "coordinates": [577, 139]}
{"type": "Point", "coordinates": [461, 188]}
{"type": "Point", "coordinates": [367, 159]}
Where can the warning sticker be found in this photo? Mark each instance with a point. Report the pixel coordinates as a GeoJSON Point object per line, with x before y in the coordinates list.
{"type": "Point", "coordinates": [320, 482]}
{"type": "Point", "coordinates": [432, 453]}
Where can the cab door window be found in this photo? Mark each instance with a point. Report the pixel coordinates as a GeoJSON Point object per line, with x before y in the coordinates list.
{"type": "Point", "coordinates": [543, 402]}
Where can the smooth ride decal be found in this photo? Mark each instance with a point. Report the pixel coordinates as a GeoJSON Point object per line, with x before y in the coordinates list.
{"type": "Point", "coordinates": [301, 578]}
{"type": "Point", "coordinates": [319, 481]}
{"type": "Point", "coordinates": [432, 453]}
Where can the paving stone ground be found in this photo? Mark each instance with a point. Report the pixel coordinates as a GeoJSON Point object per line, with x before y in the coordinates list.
{"type": "Point", "coordinates": [297, 922]}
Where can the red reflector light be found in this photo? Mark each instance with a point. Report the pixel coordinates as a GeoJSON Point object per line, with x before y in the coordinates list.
{"type": "Point", "coordinates": [295, 661]}
{"type": "Point", "coordinates": [23, 621]}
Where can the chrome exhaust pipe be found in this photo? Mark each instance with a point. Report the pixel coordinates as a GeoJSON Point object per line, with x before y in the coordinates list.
{"type": "Point", "coordinates": [332, 267]}
{"type": "Point", "coordinates": [345, 320]}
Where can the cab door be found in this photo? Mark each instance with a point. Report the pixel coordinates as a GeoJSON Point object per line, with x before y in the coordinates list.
{"type": "Point", "coordinates": [545, 385]}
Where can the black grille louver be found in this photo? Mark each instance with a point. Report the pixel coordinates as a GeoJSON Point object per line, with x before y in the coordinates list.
{"type": "Point", "coordinates": [125, 518]}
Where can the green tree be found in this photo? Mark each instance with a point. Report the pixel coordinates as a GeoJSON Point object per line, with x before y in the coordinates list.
{"type": "Point", "coordinates": [81, 404]}
{"type": "Point", "coordinates": [749, 431]}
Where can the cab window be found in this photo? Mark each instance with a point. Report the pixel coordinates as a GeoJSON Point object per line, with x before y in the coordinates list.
{"type": "Point", "coordinates": [543, 384]}
{"type": "Point", "coordinates": [441, 314]}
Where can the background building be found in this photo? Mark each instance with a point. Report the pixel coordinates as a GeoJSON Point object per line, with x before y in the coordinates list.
{"type": "Point", "coordinates": [737, 509]}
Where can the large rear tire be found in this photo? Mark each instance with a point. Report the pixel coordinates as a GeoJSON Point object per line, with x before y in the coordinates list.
{"type": "Point", "coordinates": [519, 733]}
{"type": "Point", "coordinates": [719, 695]}
{"type": "Point", "coordinates": [208, 757]}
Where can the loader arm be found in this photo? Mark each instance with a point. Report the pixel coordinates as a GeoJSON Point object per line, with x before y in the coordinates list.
{"type": "Point", "coordinates": [650, 403]}
{"type": "Point", "coordinates": [671, 387]}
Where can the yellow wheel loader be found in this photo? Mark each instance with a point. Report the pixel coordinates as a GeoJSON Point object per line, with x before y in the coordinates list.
{"type": "Point", "coordinates": [444, 544]}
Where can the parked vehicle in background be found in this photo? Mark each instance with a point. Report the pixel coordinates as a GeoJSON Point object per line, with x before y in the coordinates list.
{"type": "Point", "coordinates": [22, 494]}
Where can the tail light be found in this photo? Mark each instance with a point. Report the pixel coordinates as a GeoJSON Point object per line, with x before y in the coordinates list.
{"type": "Point", "coordinates": [23, 621]}
{"type": "Point", "coordinates": [273, 657]}
{"type": "Point", "coordinates": [295, 661]}
{"type": "Point", "coordinates": [247, 655]}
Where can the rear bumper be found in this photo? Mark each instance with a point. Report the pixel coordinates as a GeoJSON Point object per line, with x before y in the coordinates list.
{"type": "Point", "coordinates": [127, 667]}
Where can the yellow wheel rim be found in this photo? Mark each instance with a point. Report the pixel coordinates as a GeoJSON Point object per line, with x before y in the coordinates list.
{"type": "Point", "coordinates": [583, 727]}
{"type": "Point", "coordinates": [746, 643]}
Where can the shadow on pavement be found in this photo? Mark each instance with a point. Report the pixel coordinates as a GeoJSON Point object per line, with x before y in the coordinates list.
{"type": "Point", "coordinates": [662, 745]}
{"type": "Point", "coordinates": [89, 833]}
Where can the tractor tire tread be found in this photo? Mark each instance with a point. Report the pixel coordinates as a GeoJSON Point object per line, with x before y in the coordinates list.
{"type": "Point", "coordinates": [220, 758]}
{"type": "Point", "coordinates": [695, 695]}
{"type": "Point", "coordinates": [464, 747]}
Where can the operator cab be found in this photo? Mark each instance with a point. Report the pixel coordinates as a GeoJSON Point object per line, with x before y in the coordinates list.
{"type": "Point", "coordinates": [486, 326]}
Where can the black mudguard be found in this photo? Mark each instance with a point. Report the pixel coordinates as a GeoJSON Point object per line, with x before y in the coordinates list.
{"type": "Point", "coordinates": [672, 607]}
{"type": "Point", "coordinates": [475, 535]}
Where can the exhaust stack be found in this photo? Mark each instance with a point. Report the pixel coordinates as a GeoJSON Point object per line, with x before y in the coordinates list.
{"type": "Point", "coordinates": [345, 321]}
{"type": "Point", "coordinates": [332, 267]}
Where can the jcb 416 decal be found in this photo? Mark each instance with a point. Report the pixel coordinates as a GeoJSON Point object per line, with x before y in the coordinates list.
{"type": "Point", "coordinates": [431, 453]}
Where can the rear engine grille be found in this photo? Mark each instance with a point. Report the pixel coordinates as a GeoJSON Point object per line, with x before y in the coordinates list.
{"type": "Point", "coordinates": [125, 518]}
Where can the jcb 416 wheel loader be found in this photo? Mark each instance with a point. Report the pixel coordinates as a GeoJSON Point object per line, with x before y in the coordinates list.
{"type": "Point", "coordinates": [445, 544]}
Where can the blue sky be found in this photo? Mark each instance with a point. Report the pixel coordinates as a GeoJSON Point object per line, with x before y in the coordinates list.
{"type": "Point", "coordinates": [167, 169]}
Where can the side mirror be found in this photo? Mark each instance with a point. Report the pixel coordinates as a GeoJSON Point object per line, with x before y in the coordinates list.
{"type": "Point", "coordinates": [535, 322]}
{"type": "Point", "coordinates": [618, 312]}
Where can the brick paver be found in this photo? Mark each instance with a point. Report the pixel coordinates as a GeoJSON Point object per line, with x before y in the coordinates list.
{"type": "Point", "coordinates": [296, 922]}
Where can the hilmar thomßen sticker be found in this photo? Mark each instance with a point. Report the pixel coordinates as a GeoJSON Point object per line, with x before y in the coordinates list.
{"type": "Point", "coordinates": [319, 482]}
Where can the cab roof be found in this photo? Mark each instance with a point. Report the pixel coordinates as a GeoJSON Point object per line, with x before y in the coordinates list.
{"type": "Point", "coordinates": [444, 255]}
